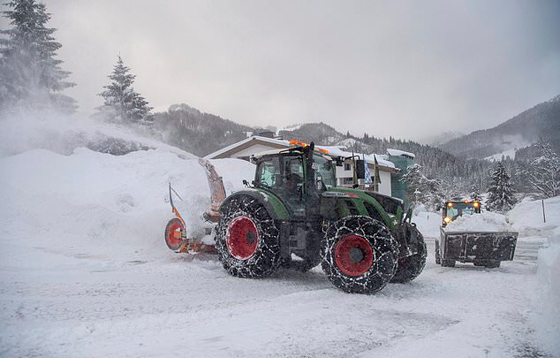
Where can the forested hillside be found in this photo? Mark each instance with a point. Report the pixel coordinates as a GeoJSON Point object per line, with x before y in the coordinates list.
{"type": "Point", "coordinates": [540, 122]}
{"type": "Point", "coordinates": [457, 174]}
{"type": "Point", "coordinates": [196, 132]}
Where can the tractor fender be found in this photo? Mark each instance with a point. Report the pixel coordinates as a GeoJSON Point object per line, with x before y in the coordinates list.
{"type": "Point", "coordinates": [274, 206]}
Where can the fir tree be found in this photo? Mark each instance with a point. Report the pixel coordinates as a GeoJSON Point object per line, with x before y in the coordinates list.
{"type": "Point", "coordinates": [422, 190]}
{"type": "Point", "coordinates": [475, 194]}
{"type": "Point", "coordinates": [30, 75]}
{"type": "Point", "coordinates": [123, 104]}
{"type": "Point", "coordinates": [544, 173]}
{"type": "Point", "coordinates": [500, 196]}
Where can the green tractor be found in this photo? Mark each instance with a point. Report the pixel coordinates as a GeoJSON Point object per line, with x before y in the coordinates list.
{"type": "Point", "coordinates": [294, 215]}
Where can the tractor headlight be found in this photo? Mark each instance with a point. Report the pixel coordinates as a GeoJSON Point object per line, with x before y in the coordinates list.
{"type": "Point", "coordinates": [447, 219]}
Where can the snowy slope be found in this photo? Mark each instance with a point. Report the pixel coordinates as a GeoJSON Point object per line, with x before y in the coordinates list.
{"type": "Point", "coordinates": [84, 272]}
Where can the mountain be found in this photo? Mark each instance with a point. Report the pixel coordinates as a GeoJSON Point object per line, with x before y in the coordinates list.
{"type": "Point", "coordinates": [439, 139]}
{"type": "Point", "coordinates": [540, 122]}
{"type": "Point", "coordinates": [199, 133]}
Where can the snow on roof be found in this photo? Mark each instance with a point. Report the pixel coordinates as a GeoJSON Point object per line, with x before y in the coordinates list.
{"type": "Point", "coordinates": [399, 153]}
{"type": "Point", "coordinates": [240, 143]}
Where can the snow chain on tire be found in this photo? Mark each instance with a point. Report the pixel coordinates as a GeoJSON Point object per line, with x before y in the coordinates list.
{"type": "Point", "coordinates": [384, 248]}
{"type": "Point", "coordinates": [412, 266]}
{"type": "Point", "coordinates": [266, 257]}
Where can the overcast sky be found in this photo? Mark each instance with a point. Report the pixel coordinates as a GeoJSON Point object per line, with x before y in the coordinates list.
{"type": "Point", "coordinates": [409, 69]}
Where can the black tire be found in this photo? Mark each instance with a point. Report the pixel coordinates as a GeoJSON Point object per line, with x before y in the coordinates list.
{"type": "Point", "coordinates": [438, 255]}
{"type": "Point", "coordinates": [412, 266]}
{"type": "Point", "coordinates": [367, 255]}
{"type": "Point", "coordinates": [448, 263]}
{"type": "Point", "coordinates": [261, 238]}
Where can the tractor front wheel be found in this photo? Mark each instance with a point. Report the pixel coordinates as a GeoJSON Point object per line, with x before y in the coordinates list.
{"type": "Point", "coordinates": [360, 255]}
{"type": "Point", "coordinates": [412, 266]}
{"type": "Point", "coordinates": [247, 238]}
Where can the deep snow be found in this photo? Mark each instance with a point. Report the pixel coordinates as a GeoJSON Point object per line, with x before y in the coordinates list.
{"type": "Point", "coordinates": [84, 272]}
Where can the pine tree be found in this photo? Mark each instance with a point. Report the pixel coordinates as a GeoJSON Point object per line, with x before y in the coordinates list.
{"type": "Point", "coordinates": [475, 194]}
{"type": "Point", "coordinates": [544, 173]}
{"type": "Point", "coordinates": [30, 75]}
{"type": "Point", "coordinates": [422, 190]}
{"type": "Point", "coordinates": [500, 196]}
{"type": "Point", "coordinates": [123, 104]}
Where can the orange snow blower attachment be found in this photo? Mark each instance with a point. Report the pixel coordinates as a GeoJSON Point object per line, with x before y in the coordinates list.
{"type": "Point", "coordinates": [217, 190]}
{"type": "Point", "coordinates": [176, 229]}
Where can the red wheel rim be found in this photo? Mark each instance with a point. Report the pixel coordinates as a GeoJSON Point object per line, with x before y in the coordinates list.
{"type": "Point", "coordinates": [353, 255]}
{"type": "Point", "coordinates": [173, 234]}
{"type": "Point", "coordinates": [243, 238]}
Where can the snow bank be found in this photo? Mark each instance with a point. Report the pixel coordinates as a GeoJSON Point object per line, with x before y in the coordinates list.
{"type": "Point", "coordinates": [527, 216]}
{"type": "Point", "coordinates": [485, 221]}
{"type": "Point", "coordinates": [79, 201]}
{"type": "Point", "coordinates": [549, 282]}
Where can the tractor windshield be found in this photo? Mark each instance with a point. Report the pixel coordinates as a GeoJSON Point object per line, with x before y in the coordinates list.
{"type": "Point", "coordinates": [324, 171]}
{"type": "Point", "coordinates": [454, 209]}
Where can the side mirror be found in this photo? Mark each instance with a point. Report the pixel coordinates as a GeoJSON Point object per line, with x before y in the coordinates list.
{"type": "Point", "coordinates": [339, 161]}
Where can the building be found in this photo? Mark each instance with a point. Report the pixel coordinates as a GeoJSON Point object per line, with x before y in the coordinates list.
{"type": "Point", "coordinates": [345, 174]}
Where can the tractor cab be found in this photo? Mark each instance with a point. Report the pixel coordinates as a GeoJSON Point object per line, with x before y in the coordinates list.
{"type": "Point", "coordinates": [295, 174]}
{"type": "Point", "coordinates": [456, 208]}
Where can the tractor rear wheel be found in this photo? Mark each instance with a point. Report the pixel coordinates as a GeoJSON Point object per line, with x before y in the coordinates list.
{"type": "Point", "coordinates": [247, 238]}
{"type": "Point", "coordinates": [360, 255]}
{"type": "Point", "coordinates": [410, 267]}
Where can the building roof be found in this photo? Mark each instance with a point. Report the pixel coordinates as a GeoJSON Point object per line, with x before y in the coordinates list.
{"type": "Point", "coordinates": [276, 142]}
{"type": "Point", "coordinates": [333, 151]}
{"type": "Point", "coordinates": [400, 153]}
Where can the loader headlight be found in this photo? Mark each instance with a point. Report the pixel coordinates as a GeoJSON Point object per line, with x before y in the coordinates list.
{"type": "Point", "coordinates": [476, 204]}
{"type": "Point", "coordinates": [450, 205]}
{"type": "Point", "coordinates": [447, 219]}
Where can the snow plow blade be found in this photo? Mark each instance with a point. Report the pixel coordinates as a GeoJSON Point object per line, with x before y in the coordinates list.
{"type": "Point", "coordinates": [481, 248]}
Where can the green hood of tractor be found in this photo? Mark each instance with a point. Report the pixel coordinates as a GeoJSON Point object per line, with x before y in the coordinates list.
{"type": "Point", "coordinates": [389, 209]}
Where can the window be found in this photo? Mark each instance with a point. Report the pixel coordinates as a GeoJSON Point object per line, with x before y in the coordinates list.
{"type": "Point", "coordinates": [324, 171]}
{"type": "Point", "coordinates": [268, 173]}
{"type": "Point", "coordinates": [347, 166]}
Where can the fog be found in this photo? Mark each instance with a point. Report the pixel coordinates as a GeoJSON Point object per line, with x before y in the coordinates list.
{"type": "Point", "coordinates": [406, 69]}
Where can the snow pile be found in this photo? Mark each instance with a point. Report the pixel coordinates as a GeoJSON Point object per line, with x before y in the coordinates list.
{"type": "Point", "coordinates": [527, 216]}
{"type": "Point", "coordinates": [485, 221]}
{"type": "Point", "coordinates": [549, 282]}
{"type": "Point", "coordinates": [96, 203]}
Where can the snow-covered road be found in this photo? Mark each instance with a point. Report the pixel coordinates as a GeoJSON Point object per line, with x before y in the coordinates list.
{"type": "Point", "coordinates": [176, 306]}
